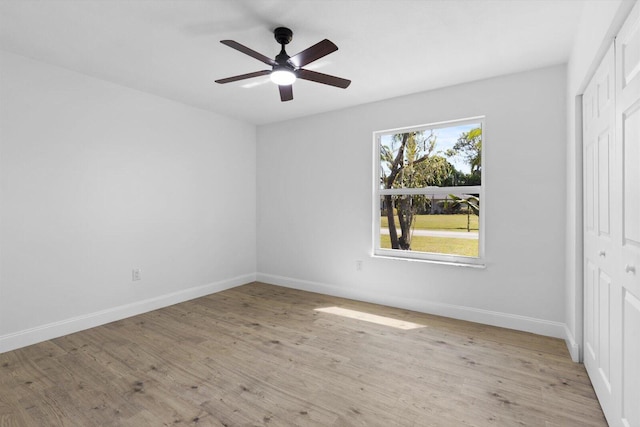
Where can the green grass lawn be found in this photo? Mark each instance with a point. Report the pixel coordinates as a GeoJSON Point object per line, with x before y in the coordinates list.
{"type": "Point", "coordinates": [438, 245]}
{"type": "Point", "coordinates": [456, 222]}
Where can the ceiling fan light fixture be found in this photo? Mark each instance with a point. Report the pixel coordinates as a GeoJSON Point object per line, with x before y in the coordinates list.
{"type": "Point", "coordinates": [282, 77]}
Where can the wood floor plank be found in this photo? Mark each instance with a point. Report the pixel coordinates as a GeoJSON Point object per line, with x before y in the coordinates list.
{"type": "Point", "coordinates": [262, 355]}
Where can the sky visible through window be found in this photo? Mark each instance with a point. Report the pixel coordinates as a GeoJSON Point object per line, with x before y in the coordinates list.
{"type": "Point", "coordinates": [445, 139]}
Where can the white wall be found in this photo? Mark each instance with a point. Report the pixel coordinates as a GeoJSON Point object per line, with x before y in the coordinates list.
{"type": "Point", "coordinates": [97, 179]}
{"type": "Point", "coordinates": [599, 23]}
{"type": "Point", "coordinates": [314, 200]}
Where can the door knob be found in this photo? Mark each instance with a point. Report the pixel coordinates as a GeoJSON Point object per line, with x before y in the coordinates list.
{"type": "Point", "coordinates": [630, 269]}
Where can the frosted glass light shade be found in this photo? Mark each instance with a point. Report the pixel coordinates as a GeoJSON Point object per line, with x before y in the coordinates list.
{"type": "Point", "coordinates": [282, 77]}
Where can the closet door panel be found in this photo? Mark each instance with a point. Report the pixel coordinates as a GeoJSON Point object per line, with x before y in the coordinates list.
{"type": "Point", "coordinates": [627, 266]}
{"type": "Point", "coordinates": [601, 301]}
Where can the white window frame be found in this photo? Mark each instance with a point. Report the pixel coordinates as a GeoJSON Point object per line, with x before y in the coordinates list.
{"type": "Point", "coordinates": [379, 192]}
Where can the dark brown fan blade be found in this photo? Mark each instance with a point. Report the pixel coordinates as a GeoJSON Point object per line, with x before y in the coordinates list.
{"type": "Point", "coordinates": [244, 76]}
{"type": "Point", "coordinates": [322, 78]}
{"type": "Point", "coordinates": [252, 53]}
{"type": "Point", "coordinates": [316, 51]}
{"type": "Point", "coordinates": [286, 92]}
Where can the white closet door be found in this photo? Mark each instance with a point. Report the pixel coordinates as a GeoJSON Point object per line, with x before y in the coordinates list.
{"type": "Point", "coordinates": [600, 231]}
{"type": "Point", "coordinates": [611, 117]}
{"type": "Point", "coordinates": [628, 266]}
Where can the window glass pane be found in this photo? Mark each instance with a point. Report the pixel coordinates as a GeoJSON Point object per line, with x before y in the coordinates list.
{"type": "Point", "coordinates": [431, 223]}
{"type": "Point", "coordinates": [440, 157]}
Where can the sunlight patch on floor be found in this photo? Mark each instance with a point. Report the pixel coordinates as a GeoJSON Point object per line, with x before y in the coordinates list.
{"type": "Point", "coordinates": [372, 318]}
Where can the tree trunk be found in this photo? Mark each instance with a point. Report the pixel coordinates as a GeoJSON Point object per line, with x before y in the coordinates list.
{"type": "Point", "coordinates": [405, 218]}
{"type": "Point", "coordinates": [393, 233]}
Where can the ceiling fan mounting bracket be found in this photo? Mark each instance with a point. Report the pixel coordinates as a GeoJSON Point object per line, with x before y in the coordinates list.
{"type": "Point", "coordinates": [283, 35]}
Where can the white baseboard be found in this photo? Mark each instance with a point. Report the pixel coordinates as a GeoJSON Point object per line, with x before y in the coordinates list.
{"type": "Point", "coordinates": [487, 317]}
{"type": "Point", "coordinates": [48, 331]}
{"type": "Point", "coordinates": [572, 345]}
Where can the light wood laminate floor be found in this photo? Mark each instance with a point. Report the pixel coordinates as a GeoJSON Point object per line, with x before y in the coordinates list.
{"type": "Point", "coordinates": [262, 355]}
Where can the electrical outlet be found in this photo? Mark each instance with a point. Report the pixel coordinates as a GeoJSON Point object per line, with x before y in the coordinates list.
{"type": "Point", "coordinates": [358, 265]}
{"type": "Point", "coordinates": [136, 275]}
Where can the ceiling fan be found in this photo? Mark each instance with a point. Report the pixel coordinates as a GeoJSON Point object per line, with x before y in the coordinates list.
{"type": "Point", "coordinates": [286, 69]}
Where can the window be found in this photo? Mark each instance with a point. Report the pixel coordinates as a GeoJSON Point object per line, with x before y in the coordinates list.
{"type": "Point", "coordinates": [428, 192]}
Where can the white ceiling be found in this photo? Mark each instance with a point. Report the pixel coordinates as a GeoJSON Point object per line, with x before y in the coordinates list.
{"type": "Point", "coordinates": [387, 48]}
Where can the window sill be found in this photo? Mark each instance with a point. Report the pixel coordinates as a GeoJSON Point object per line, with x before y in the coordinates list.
{"type": "Point", "coordinates": [479, 265]}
